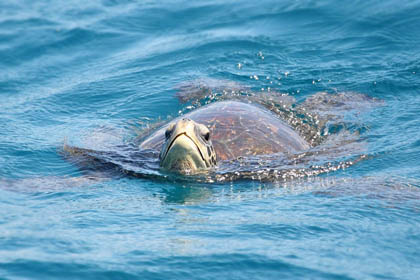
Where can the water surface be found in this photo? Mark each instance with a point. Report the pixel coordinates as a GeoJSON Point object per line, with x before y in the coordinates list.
{"type": "Point", "coordinates": [73, 67]}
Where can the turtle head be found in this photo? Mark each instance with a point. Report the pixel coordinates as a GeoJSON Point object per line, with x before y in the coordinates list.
{"type": "Point", "coordinates": [187, 147]}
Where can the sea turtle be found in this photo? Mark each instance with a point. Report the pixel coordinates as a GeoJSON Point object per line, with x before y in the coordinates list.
{"type": "Point", "coordinates": [220, 131]}
{"type": "Point", "coordinates": [231, 134]}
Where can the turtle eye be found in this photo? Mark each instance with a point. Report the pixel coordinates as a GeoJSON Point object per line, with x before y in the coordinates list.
{"type": "Point", "coordinates": [169, 131]}
{"type": "Point", "coordinates": [207, 135]}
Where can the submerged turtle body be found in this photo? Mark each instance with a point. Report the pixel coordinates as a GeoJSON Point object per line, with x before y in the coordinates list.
{"type": "Point", "coordinates": [238, 129]}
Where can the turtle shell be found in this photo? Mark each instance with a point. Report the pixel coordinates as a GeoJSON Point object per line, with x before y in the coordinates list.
{"type": "Point", "coordinates": [239, 129]}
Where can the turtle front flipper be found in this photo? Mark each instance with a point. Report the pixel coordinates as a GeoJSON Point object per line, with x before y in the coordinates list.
{"type": "Point", "coordinates": [92, 163]}
{"type": "Point", "coordinates": [117, 161]}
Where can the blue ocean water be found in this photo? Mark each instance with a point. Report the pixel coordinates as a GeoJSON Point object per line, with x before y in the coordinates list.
{"type": "Point", "coordinates": [72, 67]}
